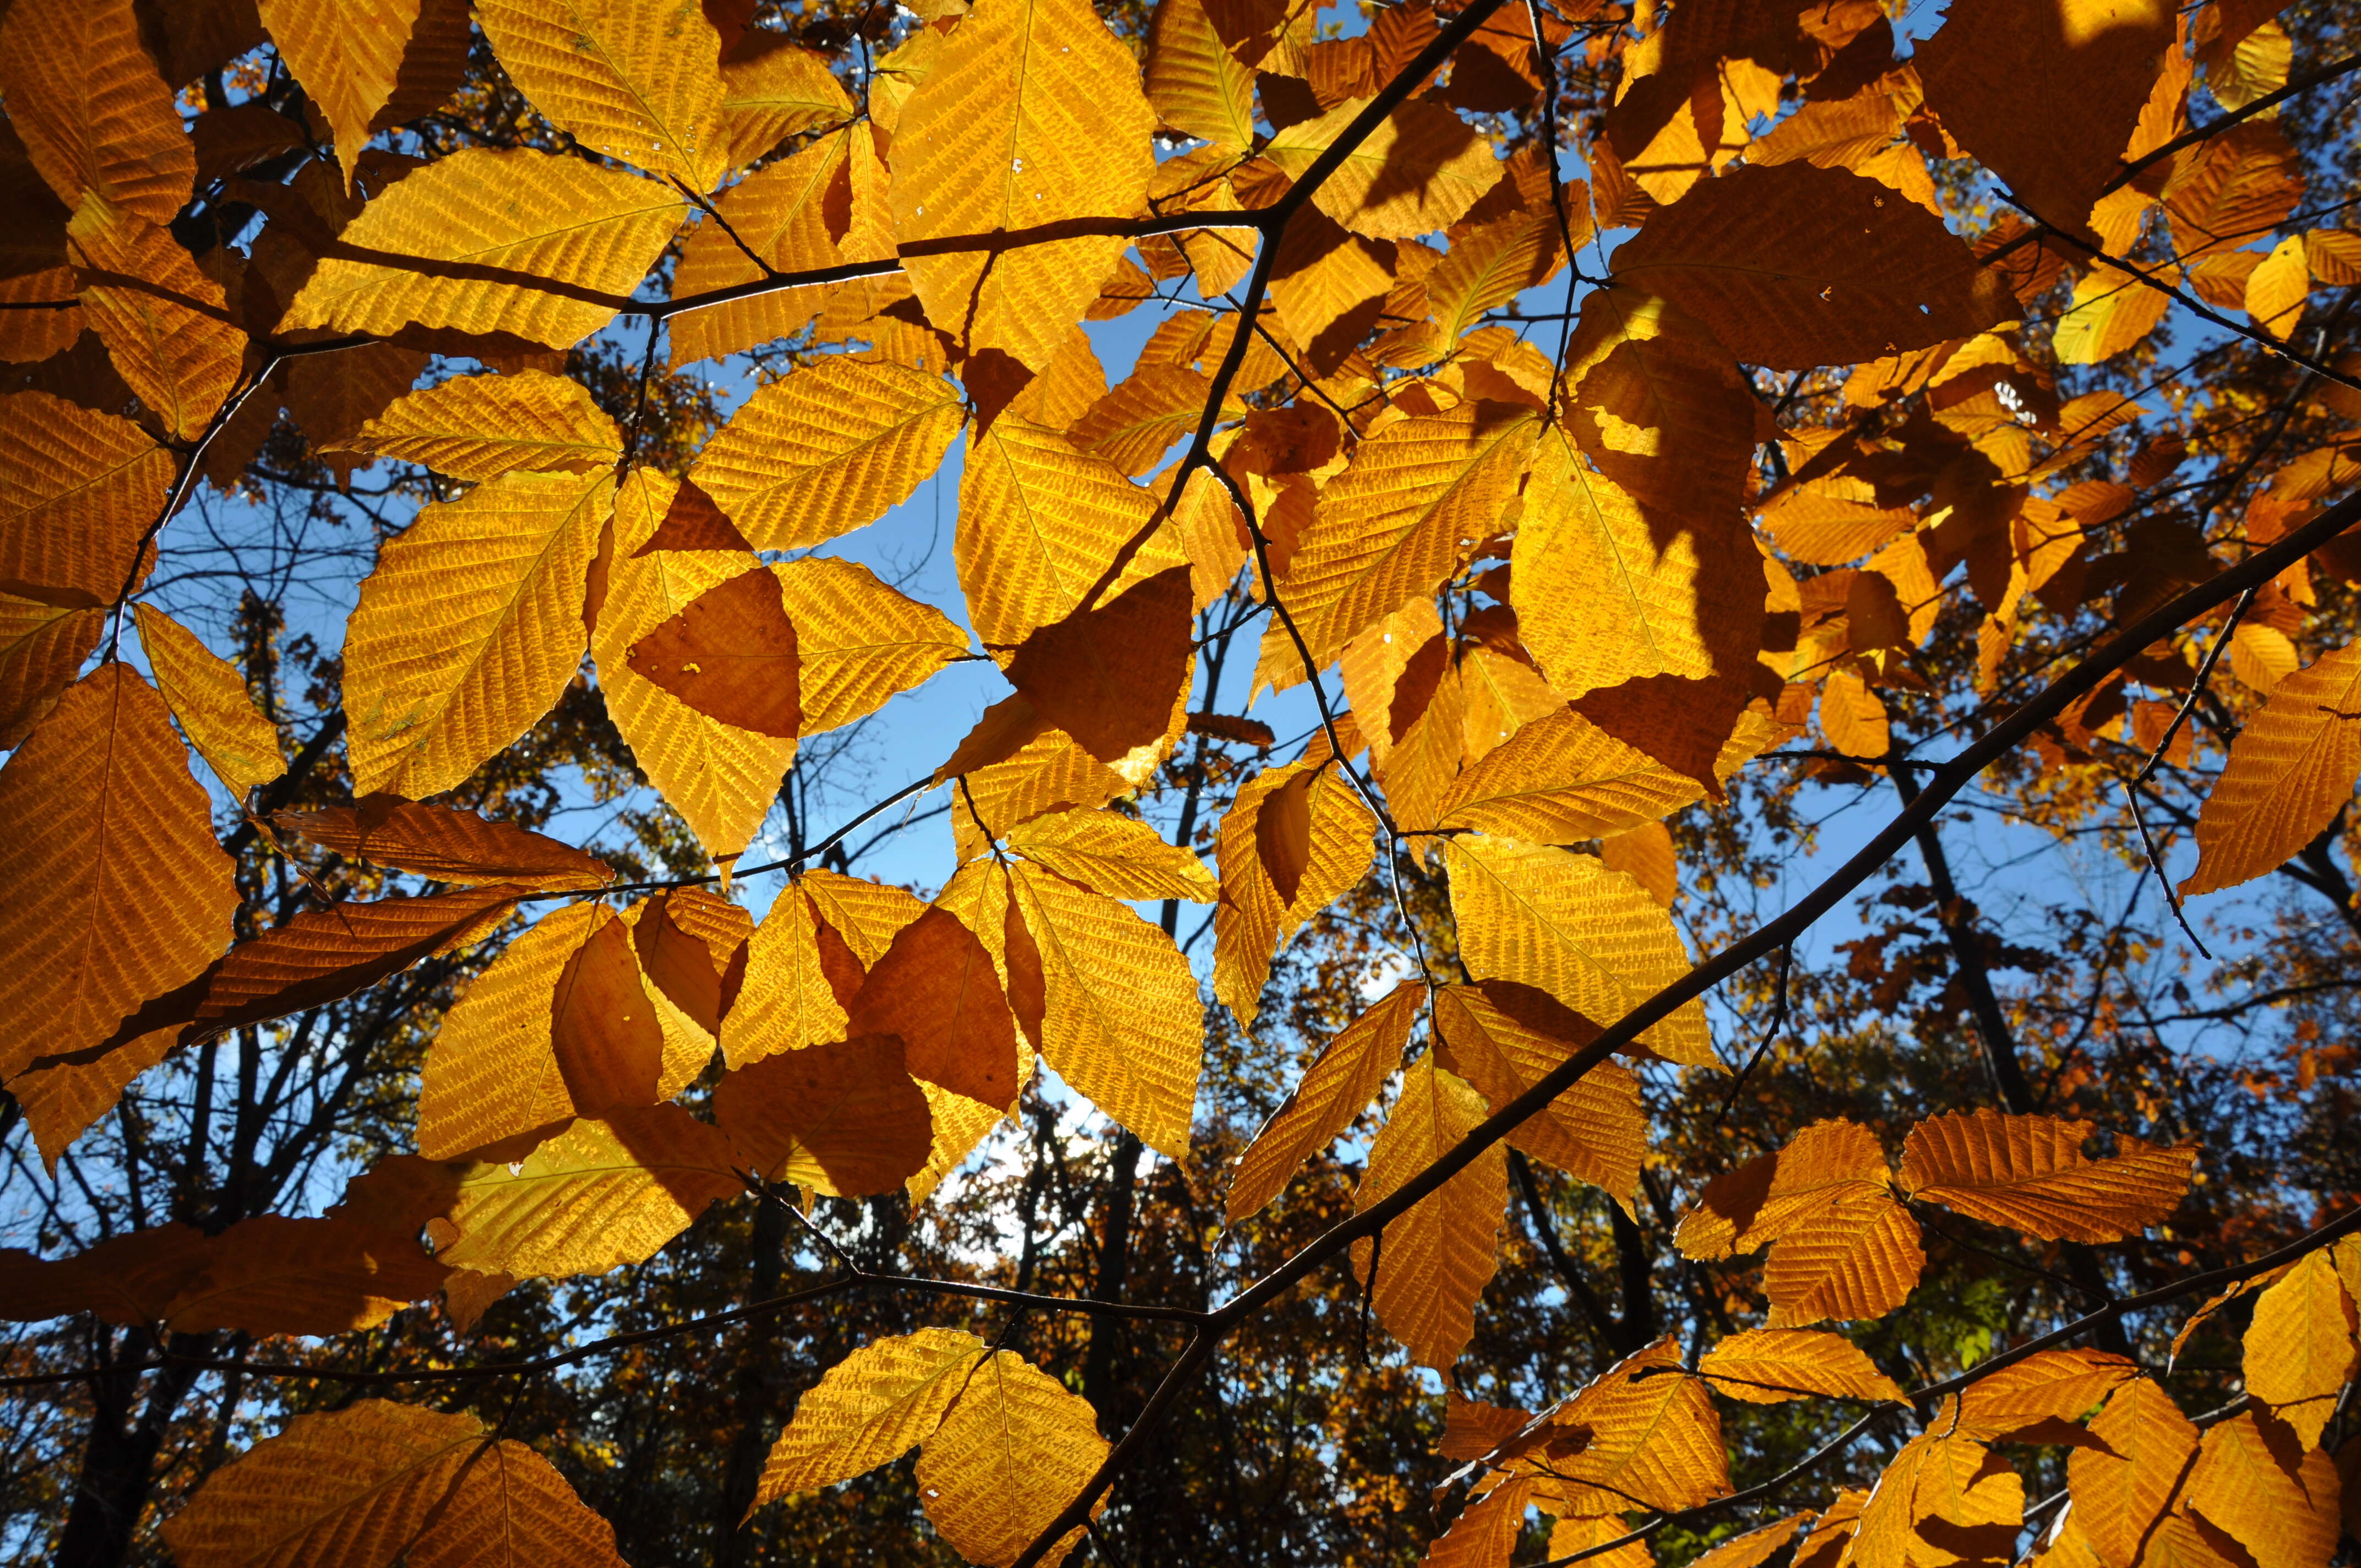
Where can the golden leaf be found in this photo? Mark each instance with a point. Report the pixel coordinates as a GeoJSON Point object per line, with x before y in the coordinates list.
{"type": "Point", "coordinates": [348, 59]}
{"type": "Point", "coordinates": [1852, 717]}
{"type": "Point", "coordinates": [1656, 1441]}
{"type": "Point", "coordinates": [1109, 853]}
{"type": "Point", "coordinates": [844, 1119]}
{"type": "Point", "coordinates": [1194, 82]}
{"type": "Point", "coordinates": [1487, 1530]}
{"type": "Point", "coordinates": [41, 648]}
{"type": "Point", "coordinates": [635, 81]}
{"type": "Point", "coordinates": [2112, 310]}
{"type": "Point", "coordinates": [869, 1409]}
{"type": "Point", "coordinates": [2298, 1348]}
{"type": "Point", "coordinates": [772, 88]}
{"type": "Point", "coordinates": [692, 943]}
{"type": "Point", "coordinates": [1115, 675]}
{"type": "Point", "coordinates": [1561, 779]}
{"type": "Point", "coordinates": [1564, 923]}
{"type": "Point", "coordinates": [861, 641]}
{"type": "Point", "coordinates": [1754, 1548]}
{"type": "Point", "coordinates": [492, 241]}
{"type": "Point", "coordinates": [1761, 1200]}
{"type": "Point", "coordinates": [791, 214]}
{"type": "Point", "coordinates": [94, 112]}
{"type": "Point", "coordinates": [828, 448]}
{"type": "Point", "coordinates": [1419, 171]}
{"type": "Point", "coordinates": [1047, 772]}
{"type": "Point", "coordinates": [1596, 1131]}
{"type": "Point", "coordinates": [602, 1193]}
{"type": "Point", "coordinates": [165, 324]}
{"type": "Point", "coordinates": [1491, 265]}
{"type": "Point", "coordinates": [30, 333]}
{"type": "Point", "coordinates": [352, 1487]}
{"type": "Point", "coordinates": [469, 628]}
{"type": "Point", "coordinates": [1645, 854]}
{"type": "Point", "coordinates": [2277, 290]}
{"type": "Point", "coordinates": [1433, 1261]}
{"type": "Point", "coordinates": [446, 844]}
{"type": "Point", "coordinates": [1014, 1449]}
{"type": "Point", "coordinates": [2291, 771]}
{"type": "Point", "coordinates": [1040, 523]}
{"type": "Point", "coordinates": [1134, 424]}
{"type": "Point", "coordinates": [866, 914]}
{"type": "Point", "coordinates": [1770, 1366]}
{"type": "Point", "coordinates": [2044, 1391]}
{"type": "Point", "coordinates": [789, 1000]}
{"type": "Point", "coordinates": [1032, 114]}
{"type": "Point", "coordinates": [123, 895]}
{"type": "Point", "coordinates": [722, 780]}
{"type": "Point", "coordinates": [481, 427]}
{"type": "Point", "coordinates": [1942, 1499]}
{"type": "Point", "coordinates": [1121, 1022]}
{"type": "Point", "coordinates": [1856, 1258]}
{"type": "Point", "coordinates": [1394, 524]}
{"type": "Point", "coordinates": [2122, 1491]}
{"type": "Point", "coordinates": [1342, 1082]}
{"type": "Point", "coordinates": [78, 493]}
{"type": "Point", "coordinates": [1252, 920]}
{"type": "Point", "coordinates": [208, 696]}
{"type": "Point", "coordinates": [2241, 1487]}
{"type": "Point", "coordinates": [1585, 1535]}
{"type": "Point", "coordinates": [1794, 267]}
{"type": "Point", "coordinates": [2028, 1173]}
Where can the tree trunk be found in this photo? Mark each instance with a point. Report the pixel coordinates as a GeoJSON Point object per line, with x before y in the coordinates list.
{"type": "Point", "coordinates": [741, 1471]}
{"type": "Point", "coordinates": [118, 1457]}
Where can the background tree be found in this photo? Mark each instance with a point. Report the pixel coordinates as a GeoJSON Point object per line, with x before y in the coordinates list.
{"type": "Point", "coordinates": [489, 1083]}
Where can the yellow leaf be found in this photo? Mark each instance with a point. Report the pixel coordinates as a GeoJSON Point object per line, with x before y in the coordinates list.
{"type": "Point", "coordinates": [1762, 1200]}
{"type": "Point", "coordinates": [1487, 1530]}
{"type": "Point", "coordinates": [1595, 1131]}
{"type": "Point", "coordinates": [346, 1489]}
{"type": "Point", "coordinates": [791, 214]}
{"type": "Point", "coordinates": [347, 59]}
{"type": "Point", "coordinates": [605, 1192]}
{"type": "Point", "coordinates": [2044, 1391]}
{"type": "Point", "coordinates": [1252, 920]}
{"type": "Point", "coordinates": [1039, 524]}
{"type": "Point", "coordinates": [2277, 290]}
{"type": "Point", "coordinates": [844, 1119]}
{"type": "Point", "coordinates": [1491, 265]}
{"type": "Point", "coordinates": [481, 427]}
{"type": "Point", "coordinates": [1586, 1535]}
{"type": "Point", "coordinates": [41, 647]}
{"type": "Point", "coordinates": [1014, 1449]}
{"type": "Point", "coordinates": [1117, 674]}
{"type": "Point", "coordinates": [2291, 771]}
{"type": "Point", "coordinates": [869, 1409]}
{"type": "Point", "coordinates": [867, 914]}
{"type": "Point", "coordinates": [787, 1000]}
{"type": "Point", "coordinates": [446, 844]}
{"type": "Point", "coordinates": [860, 641]}
{"type": "Point", "coordinates": [122, 894]}
{"type": "Point", "coordinates": [2028, 1173]}
{"type": "Point", "coordinates": [722, 780]}
{"type": "Point", "coordinates": [828, 448]}
{"type": "Point", "coordinates": [78, 493]}
{"type": "Point", "coordinates": [208, 696]}
{"type": "Point", "coordinates": [636, 81]}
{"type": "Point", "coordinates": [1857, 1258]}
{"type": "Point", "coordinates": [778, 89]}
{"type": "Point", "coordinates": [1109, 853]}
{"type": "Point", "coordinates": [1133, 425]}
{"type": "Point", "coordinates": [2121, 1492]}
{"type": "Point", "coordinates": [1394, 524]}
{"type": "Point", "coordinates": [1794, 267]}
{"type": "Point", "coordinates": [1122, 1021]}
{"type": "Point", "coordinates": [1419, 171]}
{"type": "Point", "coordinates": [492, 241]}
{"type": "Point", "coordinates": [1754, 1548]}
{"type": "Point", "coordinates": [2240, 1486]}
{"type": "Point", "coordinates": [1770, 1366]}
{"type": "Point", "coordinates": [1048, 773]}
{"type": "Point", "coordinates": [1645, 855]}
{"type": "Point", "coordinates": [1943, 1499]}
{"type": "Point", "coordinates": [1341, 1083]}
{"type": "Point", "coordinates": [1564, 924]}
{"type": "Point", "coordinates": [2110, 312]}
{"type": "Point", "coordinates": [1561, 779]}
{"type": "Point", "coordinates": [1194, 82]}
{"type": "Point", "coordinates": [1604, 594]}
{"type": "Point", "coordinates": [2299, 1349]}
{"type": "Point", "coordinates": [1032, 114]}
{"type": "Point", "coordinates": [1852, 717]}
{"type": "Point", "coordinates": [1434, 1260]}
{"type": "Point", "coordinates": [94, 114]}
{"type": "Point", "coordinates": [1655, 1442]}
{"type": "Point", "coordinates": [469, 628]}
{"type": "Point", "coordinates": [165, 324]}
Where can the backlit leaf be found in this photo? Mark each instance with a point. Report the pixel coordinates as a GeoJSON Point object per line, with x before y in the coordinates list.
{"type": "Point", "coordinates": [2298, 1348]}
{"type": "Point", "coordinates": [481, 427]}
{"type": "Point", "coordinates": [347, 59]}
{"type": "Point", "coordinates": [935, 987]}
{"type": "Point", "coordinates": [1434, 1260]}
{"type": "Point", "coordinates": [1418, 171]}
{"type": "Point", "coordinates": [2029, 1173]}
{"type": "Point", "coordinates": [1109, 853]}
{"type": "Point", "coordinates": [2045, 1390]}
{"type": "Point", "coordinates": [2291, 769]}
{"type": "Point", "coordinates": [869, 1408]}
{"type": "Point", "coordinates": [791, 997]}
{"type": "Point", "coordinates": [208, 696]}
{"type": "Point", "coordinates": [1252, 920]}
{"type": "Point", "coordinates": [1596, 1131]}
{"type": "Point", "coordinates": [444, 844]}
{"type": "Point", "coordinates": [2122, 1491]}
{"type": "Point", "coordinates": [791, 215]}
{"type": "Point", "coordinates": [1013, 1449]}
{"type": "Point", "coordinates": [165, 324]}
{"type": "Point", "coordinates": [859, 641]}
{"type": "Point", "coordinates": [1656, 1441]}
{"type": "Point", "coordinates": [1770, 1366]}
{"type": "Point", "coordinates": [78, 492]}
{"type": "Point", "coordinates": [41, 647]}
{"type": "Point", "coordinates": [844, 1119]}
{"type": "Point", "coordinates": [84, 94]}
{"type": "Point", "coordinates": [639, 83]}
{"type": "Point", "coordinates": [1112, 675]}
{"type": "Point", "coordinates": [2285, 1518]}
{"type": "Point", "coordinates": [1941, 1488]}
{"type": "Point", "coordinates": [731, 654]}
{"type": "Point", "coordinates": [1342, 1082]}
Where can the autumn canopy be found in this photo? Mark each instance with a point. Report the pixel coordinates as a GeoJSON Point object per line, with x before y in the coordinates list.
{"type": "Point", "coordinates": [1536, 605]}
